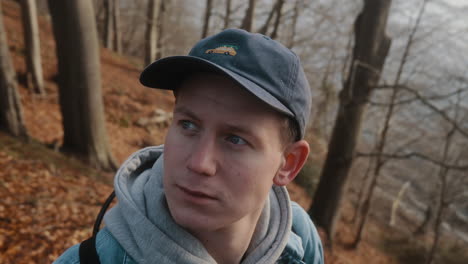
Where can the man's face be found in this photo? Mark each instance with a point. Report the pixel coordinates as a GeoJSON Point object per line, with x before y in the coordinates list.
{"type": "Point", "coordinates": [221, 154]}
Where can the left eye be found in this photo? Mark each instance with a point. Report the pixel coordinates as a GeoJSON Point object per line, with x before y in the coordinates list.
{"type": "Point", "coordinates": [236, 140]}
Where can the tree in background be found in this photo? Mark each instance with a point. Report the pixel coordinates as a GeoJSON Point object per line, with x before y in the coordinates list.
{"type": "Point", "coordinates": [206, 18]}
{"type": "Point", "coordinates": [80, 94]}
{"type": "Point", "coordinates": [370, 50]}
{"type": "Point", "coordinates": [380, 145]}
{"type": "Point", "coordinates": [227, 14]}
{"type": "Point", "coordinates": [443, 188]}
{"type": "Point", "coordinates": [296, 13]}
{"type": "Point", "coordinates": [278, 14]}
{"type": "Point", "coordinates": [108, 24]}
{"type": "Point", "coordinates": [111, 31]}
{"type": "Point", "coordinates": [275, 11]}
{"type": "Point", "coordinates": [247, 22]}
{"type": "Point", "coordinates": [151, 35]}
{"type": "Point", "coordinates": [108, 31]}
{"type": "Point", "coordinates": [132, 29]}
{"type": "Point", "coordinates": [160, 28]}
{"type": "Point", "coordinates": [116, 24]}
{"type": "Point", "coordinates": [11, 113]}
{"type": "Point", "coordinates": [34, 77]}
{"type": "Point", "coordinates": [327, 90]}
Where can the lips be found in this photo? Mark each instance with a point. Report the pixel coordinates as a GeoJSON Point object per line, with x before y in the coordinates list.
{"type": "Point", "coordinates": [196, 194]}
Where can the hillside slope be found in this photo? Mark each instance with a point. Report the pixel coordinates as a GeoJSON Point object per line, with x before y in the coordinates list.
{"type": "Point", "coordinates": [49, 200]}
{"type": "Point", "coordinates": [125, 99]}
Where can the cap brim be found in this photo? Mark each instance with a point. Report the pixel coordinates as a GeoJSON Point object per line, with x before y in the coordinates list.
{"type": "Point", "coordinates": [168, 73]}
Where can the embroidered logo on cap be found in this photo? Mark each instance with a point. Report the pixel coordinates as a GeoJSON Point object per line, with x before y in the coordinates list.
{"type": "Point", "coordinates": [225, 49]}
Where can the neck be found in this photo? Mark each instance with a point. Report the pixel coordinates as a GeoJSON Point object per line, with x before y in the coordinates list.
{"type": "Point", "coordinates": [229, 244]}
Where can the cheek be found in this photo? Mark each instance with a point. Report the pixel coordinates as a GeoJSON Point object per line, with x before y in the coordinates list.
{"type": "Point", "coordinates": [171, 136]}
{"type": "Point", "coordinates": [173, 155]}
{"type": "Point", "coordinates": [174, 146]}
{"type": "Point", "coordinates": [256, 164]}
{"type": "Point", "coordinates": [251, 178]}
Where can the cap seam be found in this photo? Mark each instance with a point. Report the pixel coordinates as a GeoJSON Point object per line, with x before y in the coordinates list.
{"type": "Point", "coordinates": [293, 79]}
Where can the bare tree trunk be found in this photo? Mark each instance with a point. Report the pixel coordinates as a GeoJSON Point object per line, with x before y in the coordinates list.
{"type": "Point", "coordinates": [108, 24]}
{"type": "Point", "coordinates": [361, 194]}
{"type": "Point", "coordinates": [263, 30]}
{"type": "Point", "coordinates": [206, 18]}
{"type": "Point", "coordinates": [80, 82]}
{"type": "Point", "coordinates": [128, 39]}
{"type": "Point", "coordinates": [365, 209]}
{"type": "Point", "coordinates": [34, 76]}
{"type": "Point", "coordinates": [396, 202]}
{"type": "Point", "coordinates": [278, 10]}
{"type": "Point", "coordinates": [290, 43]}
{"type": "Point", "coordinates": [247, 22]}
{"type": "Point", "coordinates": [100, 14]}
{"type": "Point", "coordinates": [11, 114]}
{"type": "Point", "coordinates": [160, 26]}
{"type": "Point", "coordinates": [151, 31]}
{"type": "Point", "coordinates": [422, 227]}
{"type": "Point", "coordinates": [227, 15]}
{"type": "Point", "coordinates": [319, 120]}
{"type": "Point", "coordinates": [116, 23]}
{"type": "Point", "coordinates": [437, 224]}
{"type": "Point", "coordinates": [441, 203]}
{"type": "Point", "coordinates": [370, 50]}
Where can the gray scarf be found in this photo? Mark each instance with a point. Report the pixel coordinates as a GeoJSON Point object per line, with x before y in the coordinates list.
{"type": "Point", "coordinates": [143, 226]}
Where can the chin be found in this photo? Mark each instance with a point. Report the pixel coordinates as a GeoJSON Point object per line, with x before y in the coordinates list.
{"type": "Point", "coordinates": [191, 220]}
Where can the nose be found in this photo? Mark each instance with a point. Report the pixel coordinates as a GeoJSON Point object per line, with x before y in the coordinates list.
{"type": "Point", "coordinates": [202, 159]}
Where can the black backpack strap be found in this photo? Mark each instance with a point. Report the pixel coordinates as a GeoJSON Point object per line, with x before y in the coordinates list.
{"type": "Point", "coordinates": [87, 251]}
{"type": "Point", "coordinates": [97, 223]}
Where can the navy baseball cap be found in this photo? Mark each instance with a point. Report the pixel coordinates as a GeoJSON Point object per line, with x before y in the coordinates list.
{"type": "Point", "coordinates": [266, 68]}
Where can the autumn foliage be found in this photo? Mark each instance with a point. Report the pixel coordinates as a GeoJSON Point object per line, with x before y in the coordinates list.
{"type": "Point", "coordinates": [44, 208]}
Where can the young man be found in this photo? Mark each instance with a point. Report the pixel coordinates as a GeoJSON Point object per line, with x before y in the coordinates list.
{"type": "Point", "coordinates": [215, 192]}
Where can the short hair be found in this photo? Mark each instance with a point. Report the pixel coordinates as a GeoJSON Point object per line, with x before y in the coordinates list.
{"type": "Point", "coordinates": [289, 130]}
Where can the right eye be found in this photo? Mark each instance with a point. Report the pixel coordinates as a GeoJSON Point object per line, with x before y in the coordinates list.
{"type": "Point", "coordinates": [187, 125]}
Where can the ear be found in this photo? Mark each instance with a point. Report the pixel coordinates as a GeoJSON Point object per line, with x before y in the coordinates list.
{"type": "Point", "coordinates": [294, 158]}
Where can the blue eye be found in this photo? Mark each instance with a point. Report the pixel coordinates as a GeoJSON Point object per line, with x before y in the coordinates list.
{"type": "Point", "coordinates": [236, 140]}
{"type": "Point", "coordinates": [187, 125]}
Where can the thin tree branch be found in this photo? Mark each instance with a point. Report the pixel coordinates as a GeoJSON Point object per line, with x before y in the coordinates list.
{"type": "Point", "coordinates": [429, 105]}
{"type": "Point", "coordinates": [417, 155]}
{"type": "Point", "coordinates": [413, 99]}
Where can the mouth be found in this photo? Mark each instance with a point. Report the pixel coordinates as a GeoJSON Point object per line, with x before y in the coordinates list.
{"type": "Point", "coordinates": [196, 194]}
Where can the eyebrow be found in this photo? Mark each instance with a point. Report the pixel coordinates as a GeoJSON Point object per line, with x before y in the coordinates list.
{"type": "Point", "coordinates": [226, 126]}
{"type": "Point", "coordinates": [185, 111]}
{"type": "Point", "coordinates": [239, 129]}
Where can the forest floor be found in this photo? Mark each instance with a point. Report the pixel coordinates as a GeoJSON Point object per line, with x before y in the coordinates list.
{"type": "Point", "coordinates": [49, 200]}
